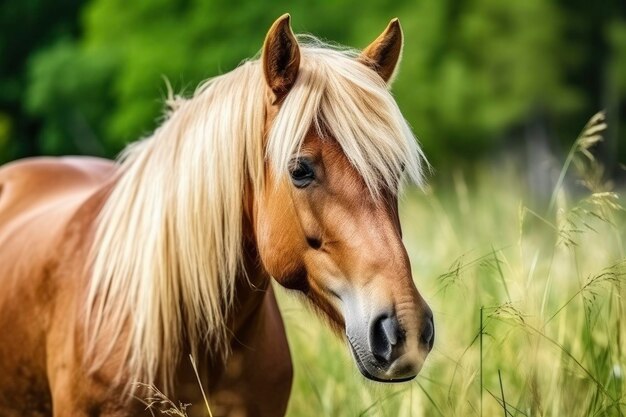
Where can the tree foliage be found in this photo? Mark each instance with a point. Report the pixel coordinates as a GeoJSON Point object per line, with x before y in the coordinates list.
{"type": "Point", "coordinates": [26, 27]}
{"type": "Point", "coordinates": [474, 74]}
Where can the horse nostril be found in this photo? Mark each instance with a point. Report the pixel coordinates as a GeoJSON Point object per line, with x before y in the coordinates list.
{"type": "Point", "coordinates": [384, 335]}
{"type": "Point", "coordinates": [427, 336]}
{"type": "Point", "coordinates": [313, 242]}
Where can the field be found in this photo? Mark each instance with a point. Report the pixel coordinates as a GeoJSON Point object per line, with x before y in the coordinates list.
{"type": "Point", "coordinates": [528, 300]}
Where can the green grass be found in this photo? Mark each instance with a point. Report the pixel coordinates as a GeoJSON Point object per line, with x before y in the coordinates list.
{"type": "Point", "coordinates": [528, 304]}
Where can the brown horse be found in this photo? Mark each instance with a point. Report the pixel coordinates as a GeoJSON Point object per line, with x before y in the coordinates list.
{"type": "Point", "coordinates": [287, 167]}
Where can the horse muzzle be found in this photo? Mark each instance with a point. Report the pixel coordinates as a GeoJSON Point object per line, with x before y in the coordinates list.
{"type": "Point", "coordinates": [387, 351]}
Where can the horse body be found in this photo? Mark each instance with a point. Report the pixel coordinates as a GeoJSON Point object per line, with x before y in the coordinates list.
{"type": "Point", "coordinates": [288, 167]}
{"type": "Point", "coordinates": [47, 212]}
{"type": "Point", "coordinates": [39, 199]}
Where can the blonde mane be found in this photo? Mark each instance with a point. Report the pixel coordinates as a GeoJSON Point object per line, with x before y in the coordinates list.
{"type": "Point", "coordinates": [168, 245]}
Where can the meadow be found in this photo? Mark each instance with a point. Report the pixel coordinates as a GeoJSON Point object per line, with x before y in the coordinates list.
{"type": "Point", "coordinates": [528, 301]}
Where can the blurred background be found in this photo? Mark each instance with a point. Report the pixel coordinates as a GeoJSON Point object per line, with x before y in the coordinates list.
{"type": "Point", "coordinates": [517, 244]}
{"type": "Point", "coordinates": [478, 77]}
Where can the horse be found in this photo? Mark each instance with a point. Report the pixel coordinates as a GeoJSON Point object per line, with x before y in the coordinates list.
{"type": "Point", "coordinates": [287, 168]}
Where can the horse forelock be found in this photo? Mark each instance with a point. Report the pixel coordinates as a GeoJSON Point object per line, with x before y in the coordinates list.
{"type": "Point", "coordinates": [168, 244]}
{"type": "Point", "coordinates": [346, 101]}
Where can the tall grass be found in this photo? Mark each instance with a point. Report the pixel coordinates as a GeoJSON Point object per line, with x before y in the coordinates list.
{"type": "Point", "coordinates": [528, 303]}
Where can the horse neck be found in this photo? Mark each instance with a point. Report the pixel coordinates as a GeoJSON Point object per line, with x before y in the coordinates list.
{"type": "Point", "coordinates": [253, 281]}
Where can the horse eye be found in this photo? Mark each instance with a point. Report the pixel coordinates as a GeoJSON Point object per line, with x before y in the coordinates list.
{"type": "Point", "coordinates": [302, 173]}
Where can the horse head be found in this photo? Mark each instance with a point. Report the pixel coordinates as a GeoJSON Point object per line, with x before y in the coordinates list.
{"type": "Point", "coordinates": [327, 221]}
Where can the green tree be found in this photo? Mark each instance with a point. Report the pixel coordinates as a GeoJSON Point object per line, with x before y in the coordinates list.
{"type": "Point", "coordinates": [474, 72]}
{"type": "Point", "coordinates": [476, 69]}
{"type": "Point", "coordinates": [26, 27]}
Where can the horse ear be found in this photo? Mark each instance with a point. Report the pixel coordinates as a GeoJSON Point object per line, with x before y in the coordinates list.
{"type": "Point", "coordinates": [383, 54]}
{"type": "Point", "coordinates": [280, 57]}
